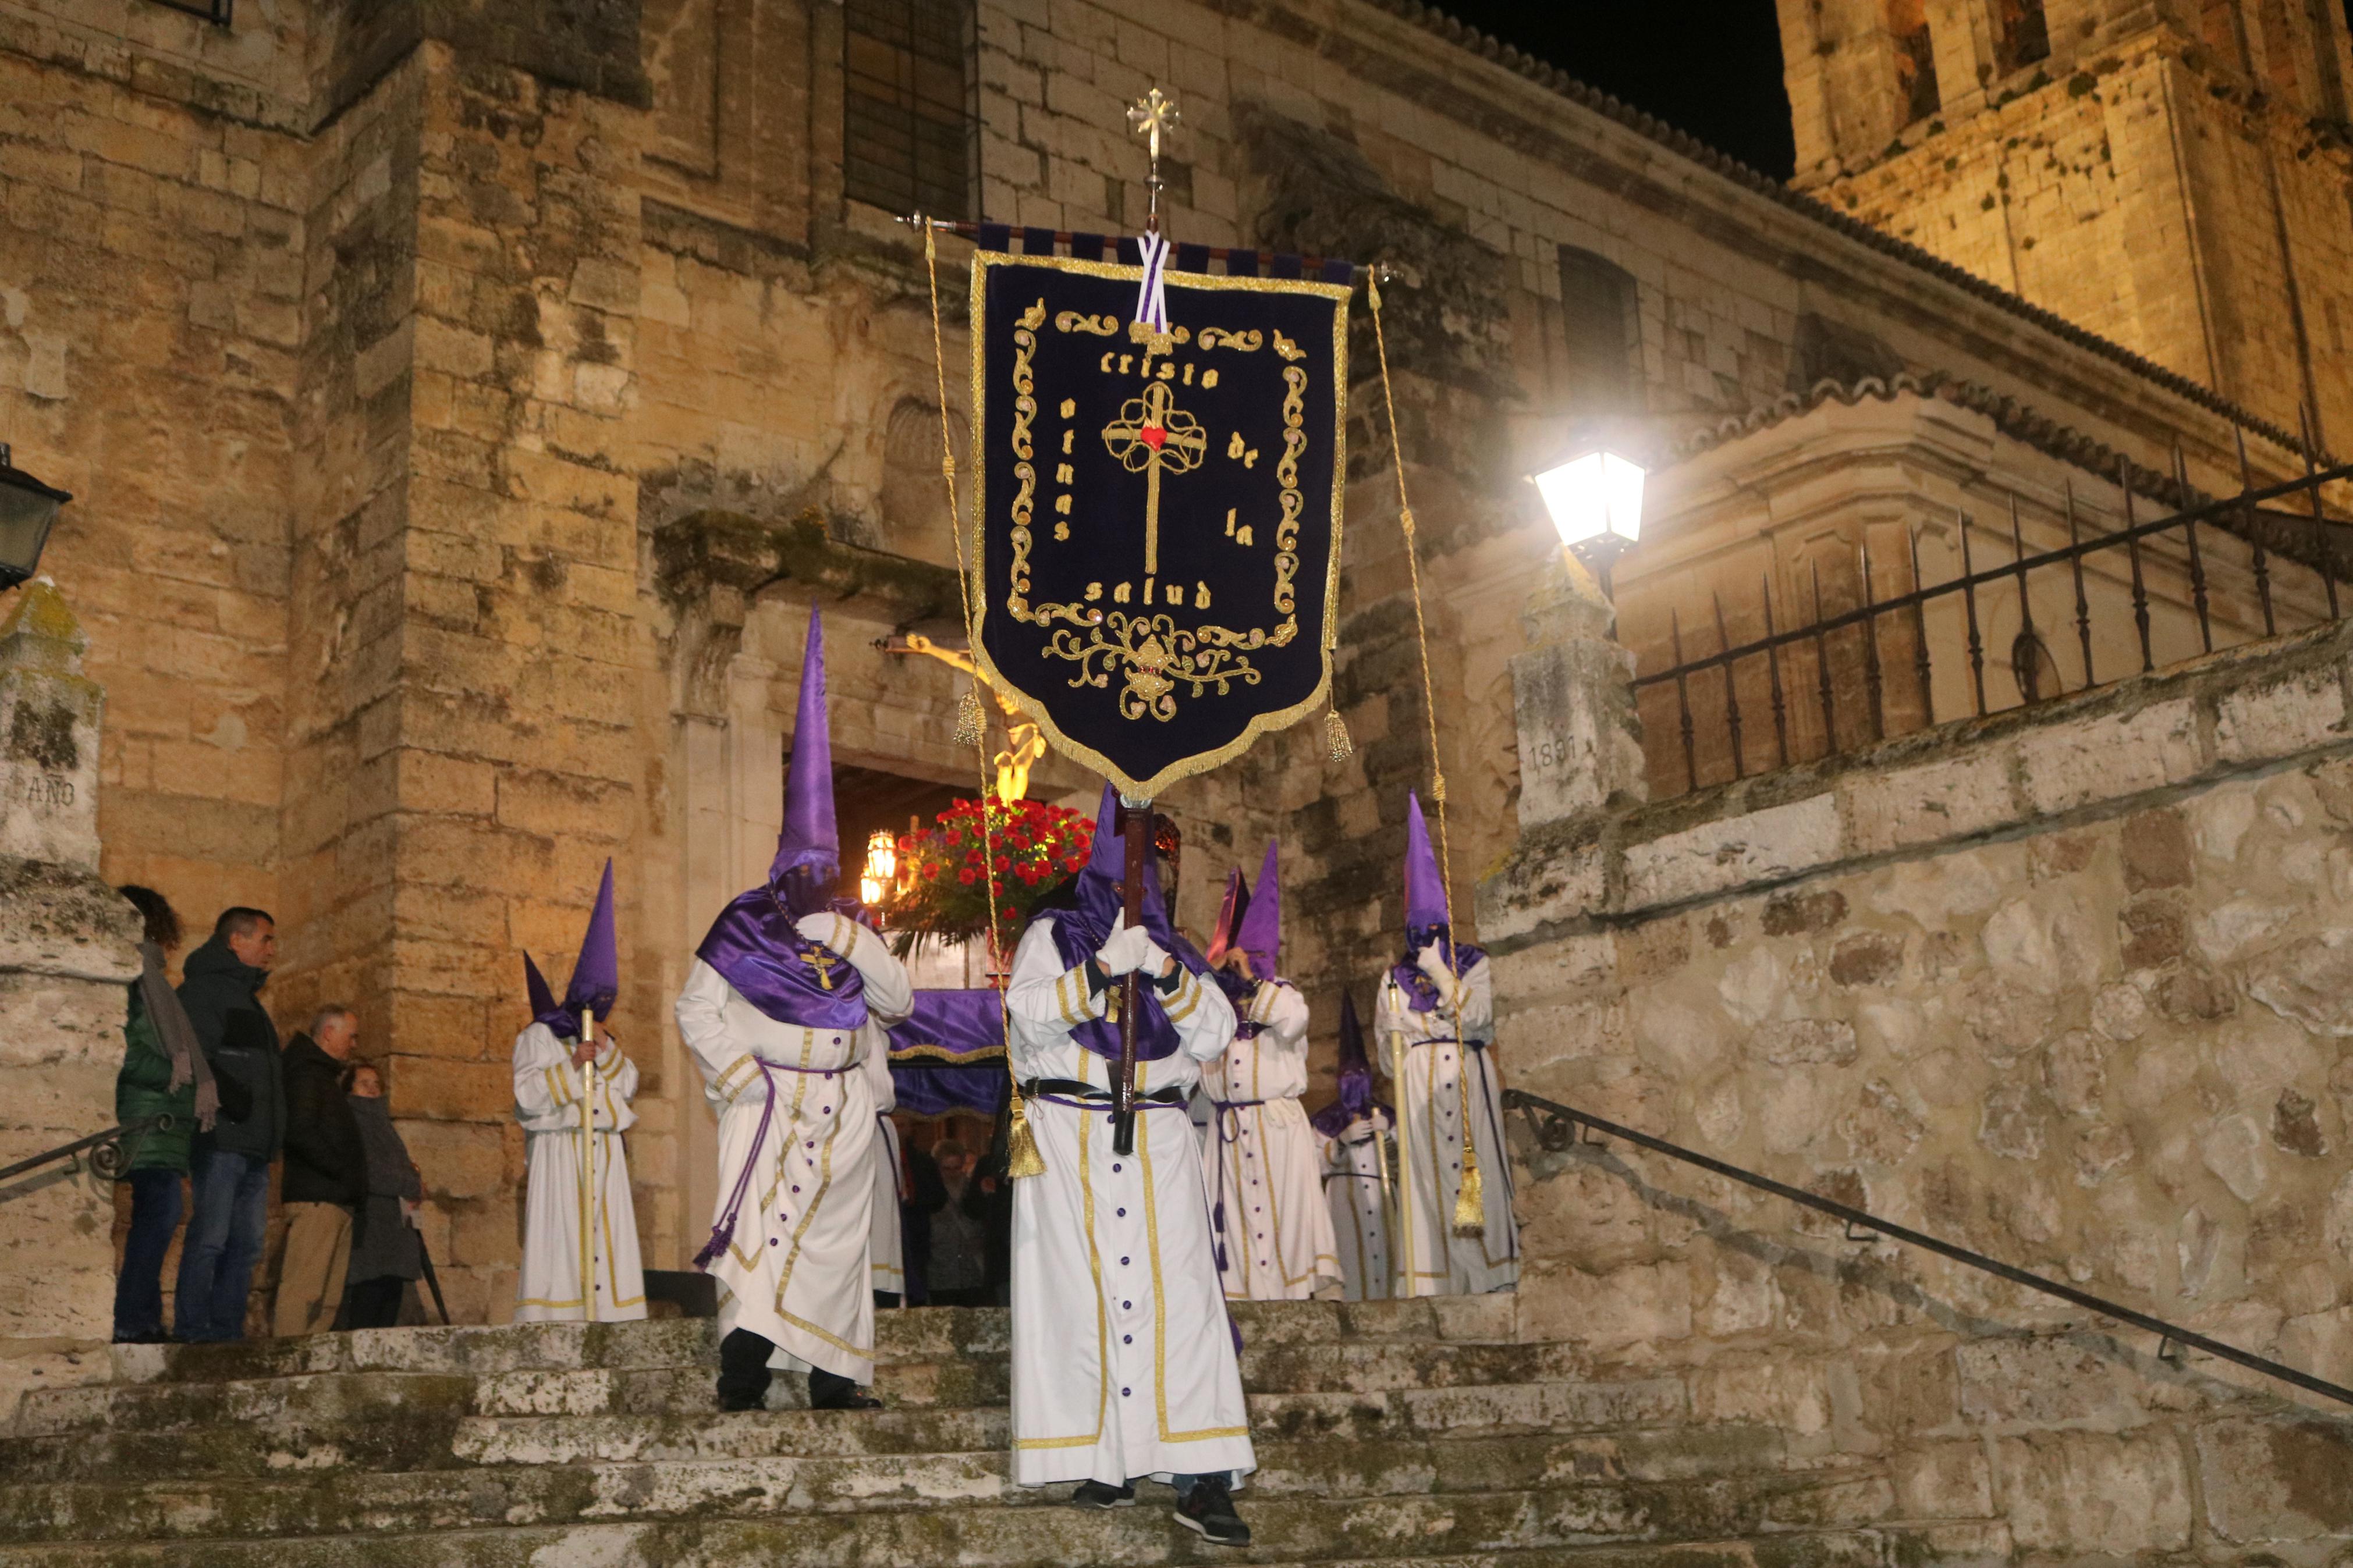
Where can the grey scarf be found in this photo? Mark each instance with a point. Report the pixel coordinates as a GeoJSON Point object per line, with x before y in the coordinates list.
{"type": "Point", "coordinates": [179, 1036]}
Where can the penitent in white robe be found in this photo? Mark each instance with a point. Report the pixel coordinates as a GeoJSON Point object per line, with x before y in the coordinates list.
{"type": "Point", "coordinates": [1426, 1064]}
{"type": "Point", "coordinates": [796, 1271]}
{"type": "Point", "coordinates": [1123, 1357]}
{"type": "Point", "coordinates": [579, 1224]}
{"type": "Point", "coordinates": [886, 1259]}
{"type": "Point", "coordinates": [1264, 1157]}
{"type": "Point", "coordinates": [1357, 1195]}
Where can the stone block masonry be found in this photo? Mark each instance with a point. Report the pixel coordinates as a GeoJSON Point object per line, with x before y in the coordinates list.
{"type": "Point", "coordinates": [66, 952]}
{"type": "Point", "coordinates": [2062, 988]}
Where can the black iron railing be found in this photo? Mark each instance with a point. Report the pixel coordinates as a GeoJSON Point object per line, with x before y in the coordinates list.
{"type": "Point", "coordinates": [109, 1152]}
{"type": "Point", "coordinates": [1556, 1126]}
{"type": "Point", "coordinates": [1839, 680]}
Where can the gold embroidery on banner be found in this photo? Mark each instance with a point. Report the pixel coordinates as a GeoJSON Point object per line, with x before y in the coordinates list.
{"type": "Point", "coordinates": [1288, 349]}
{"type": "Point", "coordinates": [1025, 406]}
{"type": "Point", "coordinates": [1286, 474]}
{"type": "Point", "coordinates": [1017, 602]}
{"type": "Point", "coordinates": [1157, 657]}
{"type": "Point", "coordinates": [1246, 343]}
{"type": "Point", "coordinates": [1080, 321]}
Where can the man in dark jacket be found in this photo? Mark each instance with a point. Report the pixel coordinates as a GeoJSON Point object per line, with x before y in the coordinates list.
{"type": "Point", "coordinates": [325, 1184]}
{"type": "Point", "coordinates": [229, 1166]}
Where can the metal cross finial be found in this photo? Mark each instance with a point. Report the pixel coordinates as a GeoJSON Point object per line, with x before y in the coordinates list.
{"type": "Point", "coordinates": [1152, 116]}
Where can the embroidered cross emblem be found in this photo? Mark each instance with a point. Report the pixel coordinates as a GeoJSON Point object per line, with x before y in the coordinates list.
{"type": "Point", "coordinates": [1150, 435]}
{"type": "Point", "coordinates": [823, 962]}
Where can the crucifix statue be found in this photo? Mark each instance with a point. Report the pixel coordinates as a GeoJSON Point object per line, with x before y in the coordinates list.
{"type": "Point", "coordinates": [1152, 436]}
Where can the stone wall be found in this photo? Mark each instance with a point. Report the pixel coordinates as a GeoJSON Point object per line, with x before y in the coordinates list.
{"type": "Point", "coordinates": [2137, 180]}
{"type": "Point", "coordinates": [67, 951]}
{"type": "Point", "coordinates": [2062, 986]}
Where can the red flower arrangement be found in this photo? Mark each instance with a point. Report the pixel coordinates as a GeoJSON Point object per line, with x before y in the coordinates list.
{"type": "Point", "coordinates": [1030, 846]}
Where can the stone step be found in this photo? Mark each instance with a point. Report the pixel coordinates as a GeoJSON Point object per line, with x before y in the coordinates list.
{"type": "Point", "coordinates": [1341, 1367]}
{"type": "Point", "coordinates": [1643, 1416]}
{"type": "Point", "coordinates": [1513, 1533]}
{"type": "Point", "coordinates": [1535, 1491]}
{"type": "Point", "coordinates": [920, 1334]}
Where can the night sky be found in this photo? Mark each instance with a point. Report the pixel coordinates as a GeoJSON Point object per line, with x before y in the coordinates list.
{"type": "Point", "coordinates": [1712, 68]}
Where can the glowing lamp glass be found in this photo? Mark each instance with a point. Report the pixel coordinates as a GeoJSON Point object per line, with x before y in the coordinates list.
{"type": "Point", "coordinates": [1594, 499]}
{"type": "Point", "coordinates": [882, 855]}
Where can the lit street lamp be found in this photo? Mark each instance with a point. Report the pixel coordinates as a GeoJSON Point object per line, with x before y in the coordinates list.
{"type": "Point", "coordinates": [1595, 502]}
{"type": "Point", "coordinates": [27, 508]}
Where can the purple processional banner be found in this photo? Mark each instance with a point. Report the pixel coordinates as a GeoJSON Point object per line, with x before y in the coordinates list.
{"type": "Point", "coordinates": [948, 1057]}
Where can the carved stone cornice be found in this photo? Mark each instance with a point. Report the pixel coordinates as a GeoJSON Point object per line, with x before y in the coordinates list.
{"type": "Point", "coordinates": [711, 566]}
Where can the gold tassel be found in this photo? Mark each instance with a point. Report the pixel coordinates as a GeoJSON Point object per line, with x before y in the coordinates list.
{"type": "Point", "coordinates": [1471, 1202]}
{"type": "Point", "coordinates": [1335, 735]}
{"type": "Point", "coordinates": [972, 722]}
{"type": "Point", "coordinates": [1021, 1156]}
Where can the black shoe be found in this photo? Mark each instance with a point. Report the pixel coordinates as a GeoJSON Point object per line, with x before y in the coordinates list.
{"type": "Point", "coordinates": [1209, 1509]}
{"type": "Point", "coordinates": [1095, 1494]}
{"type": "Point", "coordinates": [830, 1390]}
{"type": "Point", "coordinates": [743, 1371]}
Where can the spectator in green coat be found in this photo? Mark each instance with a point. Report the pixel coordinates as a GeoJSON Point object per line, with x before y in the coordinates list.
{"type": "Point", "coordinates": [165, 1078]}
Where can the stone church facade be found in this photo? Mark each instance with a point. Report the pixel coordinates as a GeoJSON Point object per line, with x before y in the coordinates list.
{"type": "Point", "coordinates": [464, 413]}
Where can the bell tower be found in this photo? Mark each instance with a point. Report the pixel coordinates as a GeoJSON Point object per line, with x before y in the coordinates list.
{"type": "Point", "coordinates": [2172, 175]}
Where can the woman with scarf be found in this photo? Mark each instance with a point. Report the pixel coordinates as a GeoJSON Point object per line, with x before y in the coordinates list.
{"type": "Point", "coordinates": [164, 1076]}
{"type": "Point", "coordinates": [384, 1256]}
{"type": "Point", "coordinates": [1123, 1360]}
{"type": "Point", "coordinates": [1436, 1020]}
{"type": "Point", "coordinates": [784, 1010]}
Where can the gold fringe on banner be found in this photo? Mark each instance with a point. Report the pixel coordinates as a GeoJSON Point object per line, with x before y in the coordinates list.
{"type": "Point", "coordinates": [1022, 1158]}
{"type": "Point", "coordinates": [1470, 1207]}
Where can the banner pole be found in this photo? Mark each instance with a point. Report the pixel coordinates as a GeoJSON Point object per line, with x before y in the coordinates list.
{"type": "Point", "coordinates": [1137, 836]}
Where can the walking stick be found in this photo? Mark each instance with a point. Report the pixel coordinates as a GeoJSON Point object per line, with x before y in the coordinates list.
{"type": "Point", "coordinates": [432, 1281]}
{"type": "Point", "coordinates": [1138, 835]}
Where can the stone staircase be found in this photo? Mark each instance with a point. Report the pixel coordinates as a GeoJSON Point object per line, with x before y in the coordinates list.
{"type": "Point", "coordinates": [1386, 1432]}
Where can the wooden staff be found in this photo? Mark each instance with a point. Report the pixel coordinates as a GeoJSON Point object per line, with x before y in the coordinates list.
{"type": "Point", "coordinates": [1137, 836]}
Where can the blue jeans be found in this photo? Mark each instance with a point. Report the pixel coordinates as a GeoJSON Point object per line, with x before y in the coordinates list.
{"type": "Point", "coordinates": [222, 1244]}
{"type": "Point", "coordinates": [138, 1287]}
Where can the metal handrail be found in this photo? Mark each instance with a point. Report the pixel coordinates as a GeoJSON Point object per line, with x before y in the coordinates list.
{"type": "Point", "coordinates": [107, 1155]}
{"type": "Point", "coordinates": [1554, 1124]}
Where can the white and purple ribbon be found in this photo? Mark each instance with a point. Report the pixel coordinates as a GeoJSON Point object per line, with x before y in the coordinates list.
{"type": "Point", "coordinates": [1152, 298]}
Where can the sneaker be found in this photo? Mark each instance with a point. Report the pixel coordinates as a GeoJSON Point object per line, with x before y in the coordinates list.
{"type": "Point", "coordinates": [1095, 1494]}
{"type": "Point", "coordinates": [1208, 1508]}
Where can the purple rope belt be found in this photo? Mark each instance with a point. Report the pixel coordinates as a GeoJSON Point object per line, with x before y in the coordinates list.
{"type": "Point", "coordinates": [724, 1234]}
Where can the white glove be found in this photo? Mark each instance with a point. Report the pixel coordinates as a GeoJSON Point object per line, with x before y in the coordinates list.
{"type": "Point", "coordinates": [820, 928]}
{"type": "Point", "coordinates": [1155, 963]}
{"type": "Point", "coordinates": [1126, 950]}
{"type": "Point", "coordinates": [1432, 962]}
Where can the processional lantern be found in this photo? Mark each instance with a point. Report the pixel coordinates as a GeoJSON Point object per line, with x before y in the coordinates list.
{"type": "Point", "coordinates": [28, 510]}
{"type": "Point", "coordinates": [880, 872]}
{"type": "Point", "coordinates": [1594, 499]}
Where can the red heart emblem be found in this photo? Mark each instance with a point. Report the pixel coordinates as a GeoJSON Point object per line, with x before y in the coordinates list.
{"type": "Point", "coordinates": [1155, 437]}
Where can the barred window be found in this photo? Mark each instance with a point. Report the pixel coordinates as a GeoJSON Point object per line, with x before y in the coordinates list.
{"type": "Point", "coordinates": [1601, 314]}
{"type": "Point", "coordinates": [908, 110]}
